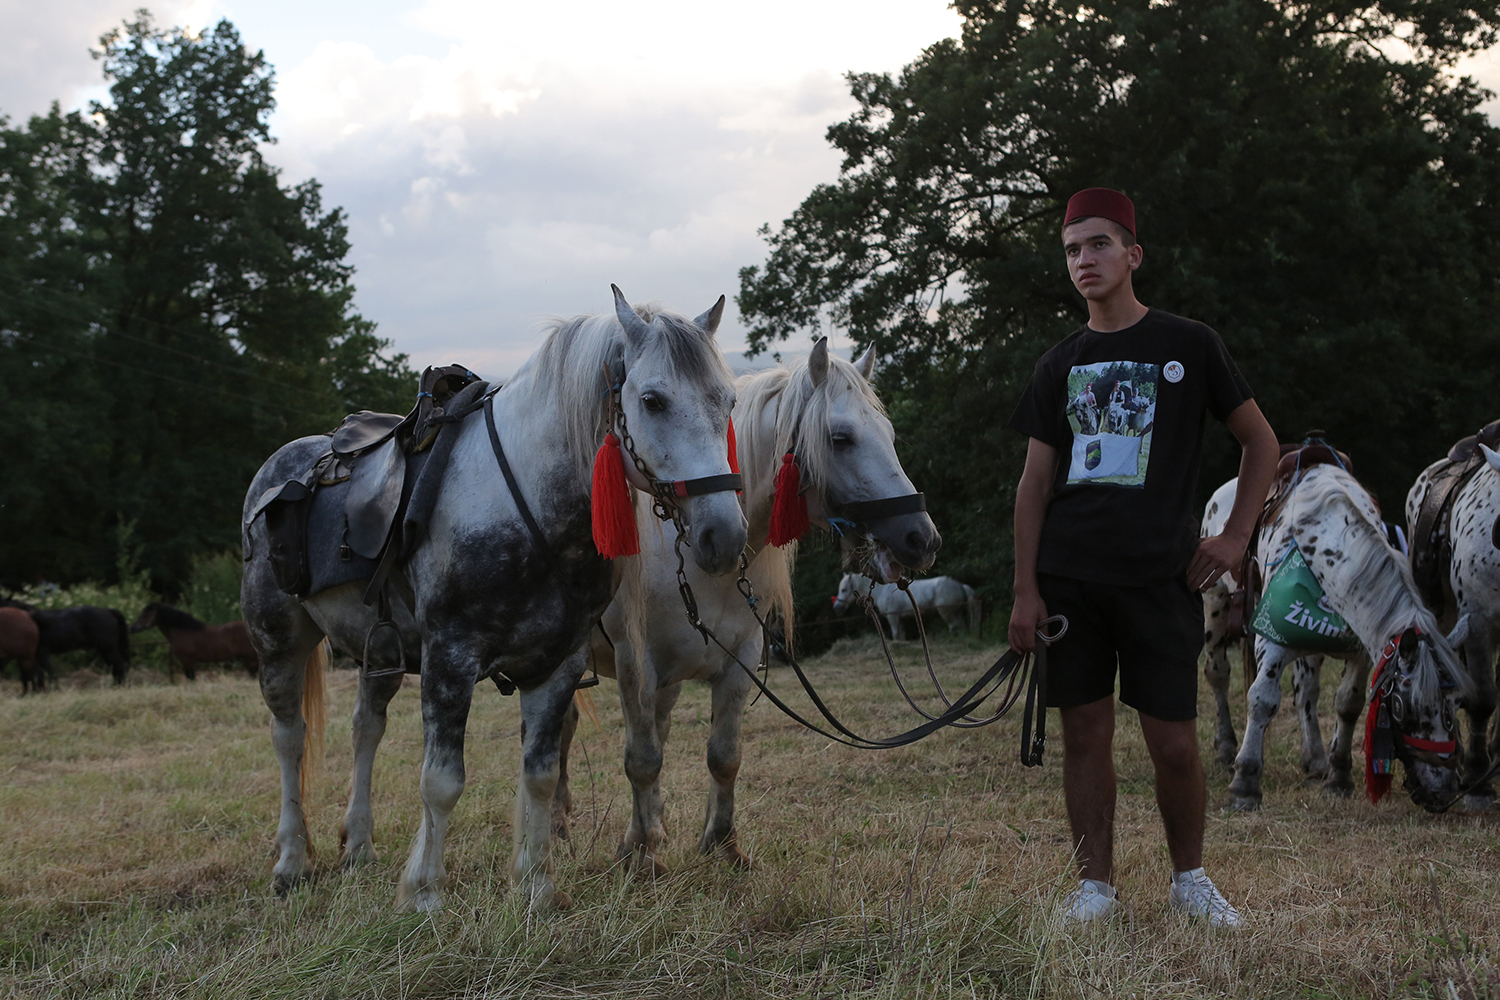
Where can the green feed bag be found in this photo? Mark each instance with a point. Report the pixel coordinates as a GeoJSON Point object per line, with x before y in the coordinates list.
{"type": "Point", "coordinates": [1294, 612]}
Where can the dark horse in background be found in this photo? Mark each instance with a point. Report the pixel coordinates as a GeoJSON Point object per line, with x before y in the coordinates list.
{"type": "Point", "coordinates": [192, 642]}
{"type": "Point", "coordinates": [18, 641]}
{"type": "Point", "coordinates": [66, 630]}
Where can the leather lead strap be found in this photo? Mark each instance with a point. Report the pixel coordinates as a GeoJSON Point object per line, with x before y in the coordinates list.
{"type": "Point", "coordinates": [1036, 706]}
{"type": "Point", "coordinates": [510, 481]}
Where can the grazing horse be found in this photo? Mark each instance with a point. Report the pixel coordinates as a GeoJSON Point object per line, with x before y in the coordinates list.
{"type": "Point", "coordinates": [489, 601]}
{"type": "Point", "coordinates": [1306, 670]}
{"type": "Point", "coordinates": [18, 641]}
{"type": "Point", "coordinates": [826, 411]}
{"type": "Point", "coordinates": [86, 626]}
{"type": "Point", "coordinates": [1336, 526]}
{"type": "Point", "coordinates": [943, 594]}
{"type": "Point", "coordinates": [1471, 590]}
{"type": "Point", "coordinates": [191, 642]}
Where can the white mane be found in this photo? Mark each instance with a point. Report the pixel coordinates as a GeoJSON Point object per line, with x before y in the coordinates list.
{"type": "Point", "coordinates": [573, 361]}
{"type": "Point", "coordinates": [1367, 582]}
{"type": "Point", "coordinates": [801, 420]}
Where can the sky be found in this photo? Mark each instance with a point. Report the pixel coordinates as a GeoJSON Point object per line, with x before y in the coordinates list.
{"type": "Point", "coordinates": [502, 163]}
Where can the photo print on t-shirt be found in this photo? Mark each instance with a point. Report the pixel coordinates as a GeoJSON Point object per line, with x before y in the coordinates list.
{"type": "Point", "coordinates": [1111, 408]}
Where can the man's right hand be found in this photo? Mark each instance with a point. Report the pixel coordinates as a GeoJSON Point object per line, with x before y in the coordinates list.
{"type": "Point", "coordinates": [1028, 612]}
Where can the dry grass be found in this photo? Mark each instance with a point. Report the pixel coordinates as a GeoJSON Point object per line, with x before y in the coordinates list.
{"type": "Point", "coordinates": [137, 827]}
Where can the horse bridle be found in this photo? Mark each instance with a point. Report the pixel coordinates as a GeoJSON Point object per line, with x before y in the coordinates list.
{"type": "Point", "coordinates": [665, 492]}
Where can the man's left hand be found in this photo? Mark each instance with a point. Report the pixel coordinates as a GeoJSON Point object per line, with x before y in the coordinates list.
{"type": "Point", "coordinates": [1216, 556]}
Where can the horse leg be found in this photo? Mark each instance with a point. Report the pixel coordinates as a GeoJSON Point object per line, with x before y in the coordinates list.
{"type": "Point", "coordinates": [1480, 707]}
{"type": "Point", "coordinates": [1306, 686]}
{"type": "Point", "coordinates": [895, 623]}
{"type": "Point", "coordinates": [544, 712]}
{"type": "Point", "coordinates": [449, 670]}
{"type": "Point", "coordinates": [562, 799]}
{"type": "Point", "coordinates": [1216, 670]}
{"type": "Point", "coordinates": [1347, 703]}
{"type": "Point", "coordinates": [636, 678]}
{"type": "Point", "coordinates": [729, 692]}
{"type": "Point", "coordinates": [357, 831]}
{"type": "Point", "coordinates": [1265, 700]}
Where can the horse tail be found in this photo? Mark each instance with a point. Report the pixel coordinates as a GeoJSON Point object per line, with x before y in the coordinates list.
{"type": "Point", "coordinates": [583, 699]}
{"type": "Point", "coordinates": [123, 630]}
{"type": "Point", "coordinates": [314, 716]}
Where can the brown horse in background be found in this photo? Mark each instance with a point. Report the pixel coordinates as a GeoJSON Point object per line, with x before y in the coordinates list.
{"type": "Point", "coordinates": [192, 642]}
{"type": "Point", "coordinates": [18, 641]}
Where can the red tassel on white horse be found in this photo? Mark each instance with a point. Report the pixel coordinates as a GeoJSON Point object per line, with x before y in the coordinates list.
{"type": "Point", "coordinates": [789, 520]}
{"type": "Point", "coordinates": [615, 532]}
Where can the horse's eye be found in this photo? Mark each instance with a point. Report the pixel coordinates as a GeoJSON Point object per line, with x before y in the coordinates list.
{"type": "Point", "coordinates": [842, 439]}
{"type": "Point", "coordinates": [653, 402]}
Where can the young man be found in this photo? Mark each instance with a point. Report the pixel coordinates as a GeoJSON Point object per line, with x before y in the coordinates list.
{"type": "Point", "coordinates": [1106, 534]}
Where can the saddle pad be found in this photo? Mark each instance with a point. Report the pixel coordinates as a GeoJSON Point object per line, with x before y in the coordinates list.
{"type": "Point", "coordinates": [1294, 611]}
{"type": "Point", "coordinates": [325, 536]}
{"type": "Point", "coordinates": [374, 496]}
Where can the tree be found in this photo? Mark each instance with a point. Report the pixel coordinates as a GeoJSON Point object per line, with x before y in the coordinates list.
{"type": "Point", "coordinates": [1311, 179]}
{"type": "Point", "coordinates": [170, 312]}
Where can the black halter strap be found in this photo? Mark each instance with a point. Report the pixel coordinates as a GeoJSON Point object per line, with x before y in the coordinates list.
{"type": "Point", "coordinates": [864, 511]}
{"type": "Point", "coordinates": [673, 488]}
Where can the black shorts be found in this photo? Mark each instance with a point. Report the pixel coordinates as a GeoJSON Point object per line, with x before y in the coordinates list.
{"type": "Point", "coordinates": [1154, 633]}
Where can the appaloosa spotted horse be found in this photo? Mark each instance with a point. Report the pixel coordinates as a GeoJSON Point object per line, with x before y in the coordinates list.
{"type": "Point", "coordinates": [1471, 592]}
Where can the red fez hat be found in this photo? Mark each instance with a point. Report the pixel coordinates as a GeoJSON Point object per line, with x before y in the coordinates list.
{"type": "Point", "coordinates": [1103, 203]}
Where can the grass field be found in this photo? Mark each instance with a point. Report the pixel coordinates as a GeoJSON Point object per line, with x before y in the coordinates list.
{"type": "Point", "coordinates": [137, 829]}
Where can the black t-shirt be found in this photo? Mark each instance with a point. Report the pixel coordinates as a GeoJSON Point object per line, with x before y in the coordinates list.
{"type": "Point", "coordinates": [1125, 412]}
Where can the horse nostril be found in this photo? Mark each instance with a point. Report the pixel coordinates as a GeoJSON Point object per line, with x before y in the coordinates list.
{"type": "Point", "coordinates": [706, 544]}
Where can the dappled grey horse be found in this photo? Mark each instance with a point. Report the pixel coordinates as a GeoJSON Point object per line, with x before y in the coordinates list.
{"type": "Point", "coordinates": [488, 601]}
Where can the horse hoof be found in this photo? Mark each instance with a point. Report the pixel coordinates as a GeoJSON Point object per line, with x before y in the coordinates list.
{"type": "Point", "coordinates": [356, 858]}
{"type": "Point", "coordinates": [1225, 759]}
{"type": "Point", "coordinates": [283, 885]}
{"type": "Point", "coordinates": [560, 829]}
{"type": "Point", "coordinates": [1244, 803]}
{"type": "Point", "coordinates": [424, 900]}
{"type": "Point", "coordinates": [736, 858]}
{"type": "Point", "coordinates": [561, 900]}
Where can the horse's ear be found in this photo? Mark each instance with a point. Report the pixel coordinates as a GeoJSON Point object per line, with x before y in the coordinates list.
{"type": "Point", "coordinates": [635, 327]}
{"type": "Point", "coordinates": [817, 362]}
{"type": "Point", "coordinates": [709, 321]}
{"type": "Point", "coordinates": [1491, 456]}
{"type": "Point", "coordinates": [866, 363]}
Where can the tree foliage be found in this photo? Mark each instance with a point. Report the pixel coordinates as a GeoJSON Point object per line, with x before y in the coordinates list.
{"type": "Point", "coordinates": [1311, 179]}
{"type": "Point", "coordinates": [170, 313]}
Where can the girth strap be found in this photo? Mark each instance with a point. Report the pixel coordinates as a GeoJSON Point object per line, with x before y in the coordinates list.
{"type": "Point", "coordinates": [861, 511]}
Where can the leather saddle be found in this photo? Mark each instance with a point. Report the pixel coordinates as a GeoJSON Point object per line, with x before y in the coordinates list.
{"type": "Point", "coordinates": [1431, 545]}
{"type": "Point", "coordinates": [366, 479]}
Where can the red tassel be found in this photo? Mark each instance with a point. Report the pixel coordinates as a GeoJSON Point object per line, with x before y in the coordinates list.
{"type": "Point", "coordinates": [789, 520]}
{"type": "Point", "coordinates": [734, 450]}
{"type": "Point", "coordinates": [1376, 785]}
{"type": "Point", "coordinates": [614, 515]}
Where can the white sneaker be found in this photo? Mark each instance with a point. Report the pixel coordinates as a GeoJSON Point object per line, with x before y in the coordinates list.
{"type": "Point", "coordinates": [1195, 894]}
{"type": "Point", "coordinates": [1090, 901]}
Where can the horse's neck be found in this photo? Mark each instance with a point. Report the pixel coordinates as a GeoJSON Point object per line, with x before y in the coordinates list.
{"type": "Point", "coordinates": [533, 430]}
{"type": "Point", "coordinates": [1360, 590]}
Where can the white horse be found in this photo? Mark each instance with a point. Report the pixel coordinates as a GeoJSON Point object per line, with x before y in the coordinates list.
{"type": "Point", "coordinates": [1306, 670]}
{"type": "Point", "coordinates": [956, 602]}
{"type": "Point", "coordinates": [1337, 526]}
{"type": "Point", "coordinates": [1472, 592]}
{"type": "Point", "coordinates": [488, 601]}
{"type": "Point", "coordinates": [826, 410]}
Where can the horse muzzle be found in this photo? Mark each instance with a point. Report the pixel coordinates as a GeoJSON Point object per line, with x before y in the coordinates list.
{"type": "Point", "coordinates": [717, 531]}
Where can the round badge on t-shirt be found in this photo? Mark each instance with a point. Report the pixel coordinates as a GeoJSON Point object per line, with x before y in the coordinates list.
{"type": "Point", "coordinates": [1173, 371]}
